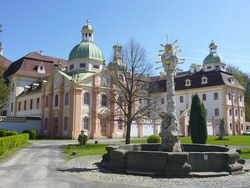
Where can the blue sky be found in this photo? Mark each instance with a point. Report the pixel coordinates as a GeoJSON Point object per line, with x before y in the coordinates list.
{"type": "Point", "coordinates": [54, 27]}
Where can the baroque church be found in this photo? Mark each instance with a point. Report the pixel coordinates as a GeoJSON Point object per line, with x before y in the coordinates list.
{"type": "Point", "coordinates": [69, 96]}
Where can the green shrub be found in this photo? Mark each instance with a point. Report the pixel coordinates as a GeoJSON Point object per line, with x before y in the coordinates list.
{"type": "Point", "coordinates": [14, 133]}
{"type": "Point", "coordinates": [26, 131]}
{"type": "Point", "coordinates": [8, 133]}
{"type": "Point", "coordinates": [154, 139]}
{"type": "Point", "coordinates": [32, 134]}
{"type": "Point", "coordinates": [10, 142]}
{"type": "Point", "coordinates": [84, 137]}
{"type": "Point", "coordinates": [2, 133]}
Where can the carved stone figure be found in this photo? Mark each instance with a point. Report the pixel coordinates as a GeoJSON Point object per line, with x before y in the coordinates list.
{"type": "Point", "coordinates": [169, 128]}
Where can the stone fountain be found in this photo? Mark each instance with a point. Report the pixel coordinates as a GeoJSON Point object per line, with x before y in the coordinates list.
{"type": "Point", "coordinates": [171, 158]}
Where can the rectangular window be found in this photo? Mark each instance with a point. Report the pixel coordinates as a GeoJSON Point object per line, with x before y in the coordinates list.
{"type": "Point", "coordinates": [19, 106]}
{"type": "Point", "coordinates": [83, 65]}
{"type": "Point", "coordinates": [96, 66]}
{"type": "Point", "coordinates": [31, 104]}
{"type": "Point", "coordinates": [209, 67]}
{"type": "Point", "coordinates": [25, 103]}
{"type": "Point", "coordinates": [11, 107]}
{"type": "Point", "coordinates": [71, 67]}
{"type": "Point", "coordinates": [181, 99]}
{"type": "Point", "coordinates": [37, 103]}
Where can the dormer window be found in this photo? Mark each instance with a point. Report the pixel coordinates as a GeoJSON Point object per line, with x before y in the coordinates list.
{"type": "Point", "coordinates": [26, 88]}
{"type": "Point", "coordinates": [34, 86]}
{"type": "Point", "coordinates": [204, 80]}
{"type": "Point", "coordinates": [231, 79]}
{"type": "Point", "coordinates": [44, 82]}
{"type": "Point", "coordinates": [187, 82]}
{"type": "Point", "coordinates": [41, 68]}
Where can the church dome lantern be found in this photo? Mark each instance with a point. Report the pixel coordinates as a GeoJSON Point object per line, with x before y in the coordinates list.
{"type": "Point", "coordinates": [213, 60]}
{"type": "Point", "coordinates": [86, 56]}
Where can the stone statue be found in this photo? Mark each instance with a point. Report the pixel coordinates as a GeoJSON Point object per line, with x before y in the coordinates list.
{"type": "Point", "coordinates": [169, 128]}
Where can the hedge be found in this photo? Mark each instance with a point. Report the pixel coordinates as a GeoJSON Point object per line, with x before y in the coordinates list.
{"type": "Point", "coordinates": [10, 142]}
{"type": "Point", "coordinates": [2, 133]}
{"type": "Point", "coordinates": [32, 133]}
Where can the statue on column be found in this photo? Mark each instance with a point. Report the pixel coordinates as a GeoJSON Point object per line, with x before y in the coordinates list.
{"type": "Point", "coordinates": [170, 123]}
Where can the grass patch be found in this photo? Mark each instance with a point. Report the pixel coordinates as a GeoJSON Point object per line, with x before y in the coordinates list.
{"type": "Point", "coordinates": [238, 140]}
{"type": "Point", "coordinates": [245, 153]}
{"type": "Point", "coordinates": [8, 153]}
{"type": "Point", "coordinates": [88, 149]}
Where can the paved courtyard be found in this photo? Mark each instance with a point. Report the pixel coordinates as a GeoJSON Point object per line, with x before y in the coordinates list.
{"type": "Point", "coordinates": [43, 165]}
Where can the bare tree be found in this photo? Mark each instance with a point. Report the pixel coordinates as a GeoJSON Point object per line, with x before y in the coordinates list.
{"type": "Point", "coordinates": [131, 96]}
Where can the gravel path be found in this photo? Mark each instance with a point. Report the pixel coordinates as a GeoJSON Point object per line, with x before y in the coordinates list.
{"type": "Point", "coordinates": [89, 168]}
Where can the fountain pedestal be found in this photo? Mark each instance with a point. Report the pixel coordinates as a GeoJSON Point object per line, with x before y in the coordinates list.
{"type": "Point", "coordinates": [170, 141]}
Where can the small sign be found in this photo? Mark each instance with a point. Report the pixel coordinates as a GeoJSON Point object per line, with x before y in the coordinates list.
{"type": "Point", "coordinates": [12, 119]}
{"type": "Point", "coordinates": [205, 157]}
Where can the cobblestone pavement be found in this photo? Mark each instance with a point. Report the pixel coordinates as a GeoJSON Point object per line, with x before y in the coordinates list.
{"type": "Point", "coordinates": [88, 167]}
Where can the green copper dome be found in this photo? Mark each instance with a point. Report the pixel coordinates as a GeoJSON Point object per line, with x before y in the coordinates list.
{"type": "Point", "coordinates": [87, 26]}
{"type": "Point", "coordinates": [213, 58]}
{"type": "Point", "coordinates": [86, 49]}
{"type": "Point", "coordinates": [117, 65]}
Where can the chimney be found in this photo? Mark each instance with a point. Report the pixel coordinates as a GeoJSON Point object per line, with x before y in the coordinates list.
{"type": "Point", "coordinates": [191, 69]}
{"type": "Point", "coordinates": [41, 52]}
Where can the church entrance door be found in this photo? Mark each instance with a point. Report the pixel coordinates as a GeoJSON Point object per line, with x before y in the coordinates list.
{"type": "Point", "coordinates": [55, 126]}
{"type": "Point", "coordinates": [103, 127]}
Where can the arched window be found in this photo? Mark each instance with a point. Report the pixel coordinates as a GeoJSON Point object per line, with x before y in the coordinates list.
{"type": "Point", "coordinates": [104, 100]}
{"type": "Point", "coordinates": [236, 112]}
{"type": "Point", "coordinates": [46, 123]}
{"type": "Point", "coordinates": [216, 112]}
{"type": "Point", "coordinates": [47, 102]}
{"type": "Point", "coordinates": [86, 123]}
{"type": "Point", "coordinates": [216, 96]}
{"type": "Point", "coordinates": [229, 96]}
{"type": "Point", "coordinates": [242, 126]}
{"type": "Point", "coordinates": [120, 101]}
{"type": "Point", "coordinates": [86, 98]}
{"type": "Point", "coordinates": [121, 78]}
{"type": "Point", "coordinates": [140, 100]}
{"type": "Point", "coordinates": [230, 112]}
{"type": "Point", "coordinates": [240, 98]}
{"type": "Point", "coordinates": [241, 114]}
{"type": "Point", "coordinates": [204, 97]}
{"type": "Point", "coordinates": [67, 98]}
{"type": "Point", "coordinates": [66, 123]}
{"type": "Point", "coordinates": [56, 100]}
{"type": "Point", "coordinates": [120, 124]}
{"type": "Point", "coordinates": [231, 127]}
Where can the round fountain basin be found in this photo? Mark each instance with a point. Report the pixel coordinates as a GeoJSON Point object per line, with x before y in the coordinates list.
{"type": "Point", "coordinates": [193, 161]}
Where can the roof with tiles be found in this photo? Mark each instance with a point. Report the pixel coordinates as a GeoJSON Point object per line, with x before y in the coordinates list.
{"type": "Point", "coordinates": [27, 65]}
